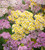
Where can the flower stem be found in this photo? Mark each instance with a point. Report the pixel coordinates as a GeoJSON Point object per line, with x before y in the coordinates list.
{"type": "Point", "coordinates": [32, 49]}
{"type": "Point", "coordinates": [41, 48]}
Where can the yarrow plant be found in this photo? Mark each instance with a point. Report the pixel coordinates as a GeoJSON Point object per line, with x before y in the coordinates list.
{"type": "Point", "coordinates": [25, 22]}
{"type": "Point", "coordinates": [22, 5]}
{"type": "Point", "coordinates": [22, 24]}
{"type": "Point", "coordinates": [4, 24]}
{"type": "Point", "coordinates": [34, 7]}
{"type": "Point", "coordinates": [3, 11]}
{"type": "Point", "coordinates": [5, 35]}
{"type": "Point", "coordinates": [7, 5]}
{"type": "Point", "coordinates": [27, 43]}
{"type": "Point", "coordinates": [40, 1]}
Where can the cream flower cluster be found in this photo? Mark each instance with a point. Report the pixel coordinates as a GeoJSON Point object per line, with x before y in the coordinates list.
{"type": "Point", "coordinates": [25, 22]}
{"type": "Point", "coordinates": [40, 1]}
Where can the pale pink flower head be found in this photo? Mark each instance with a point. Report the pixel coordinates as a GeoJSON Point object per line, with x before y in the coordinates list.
{"type": "Point", "coordinates": [3, 11]}
{"type": "Point", "coordinates": [40, 1]}
{"type": "Point", "coordinates": [5, 35]}
{"type": "Point", "coordinates": [4, 24]}
{"type": "Point", "coordinates": [36, 45]}
{"type": "Point", "coordinates": [22, 48]}
{"type": "Point", "coordinates": [4, 3]}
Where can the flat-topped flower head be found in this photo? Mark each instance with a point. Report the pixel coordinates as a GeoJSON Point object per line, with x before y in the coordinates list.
{"type": "Point", "coordinates": [5, 35]}
{"type": "Point", "coordinates": [4, 24]}
{"type": "Point", "coordinates": [40, 1]}
{"type": "Point", "coordinates": [25, 22]}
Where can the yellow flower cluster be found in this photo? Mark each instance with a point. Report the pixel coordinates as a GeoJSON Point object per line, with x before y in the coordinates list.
{"type": "Point", "coordinates": [39, 22]}
{"type": "Point", "coordinates": [42, 14]}
{"type": "Point", "coordinates": [14, 15]}
{"type": "Point", "coordinates": [24, 22]}
{"type": "Point", "coordinates": [17, 36]}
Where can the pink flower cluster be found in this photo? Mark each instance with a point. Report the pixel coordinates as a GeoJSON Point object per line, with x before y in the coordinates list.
{"type": "Point", "coordinates": [14, 4]}
{"type": "Point", "coordinates": [40, 1]}
{"type": "Point", "coordinates": [3, 11]}
{"type": "Point", "coordinates": [21, 6]}
{"type": "Point", "coordinates": [4, 24]}
{"type": "Point", "coordinates": [5, 35]}
{"type": "Point", "coordinates": [22, 48]}
{"type": "Point", "coordinates": [35, 8]}
{"type": "Point", "coordinates": [28, 42]}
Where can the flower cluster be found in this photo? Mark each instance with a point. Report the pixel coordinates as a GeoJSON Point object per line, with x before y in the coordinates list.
{"type": "Point", "coordinates": [3, 11]}
{"type": "Point", "coordinates": [5, 35]}
{"type": "Point", "coordinates": [34, 7]}
{"type": "Point", "coordinates": [12, 44]}
{"type": "Point", "coordinates": [22, 24]}
{"type": "Point", "coordinates": [43, 15]}
{"type": "Point", "coordinates": [41, 39]}
{"type": "Point", "coordinates": [25, 22]}
{"type": "Point", "coordinates": [4, 24]}
{"type": "Point", "coordinates": [21, 5]}
{"type": "Point", "coordinates": [27, 43]}
{"type": "Point", "coordinates": [40, 1]}
{"type": "Point", "coordinates": [13, 5]}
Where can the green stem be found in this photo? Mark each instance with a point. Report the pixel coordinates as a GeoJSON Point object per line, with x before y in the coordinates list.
{"type": "Point", "coordinates": [41, 48]}
{"type": "Point", "coordinates": [32, 49]}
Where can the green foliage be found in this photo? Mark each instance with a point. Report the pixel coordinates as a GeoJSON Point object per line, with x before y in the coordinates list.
{"type": "Point", "coordinates": [9, 7]}
{"type": "Point", "coordinates": [43, 30]}
{"type": "Point", "coordinates": [39, 11]}
{"type": "Point", "coordinates": [29, 10]}
{"type": "Point", "coordinates": [2, 41]}
{"type": "Point", "coordinates": [4, 16]}
{"type": "Point", "coordinates": [23, 2]}
{"type": "Point", "coordinates": [37, 48]}
{"type": "Point", "coordinates": [6, 30]}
